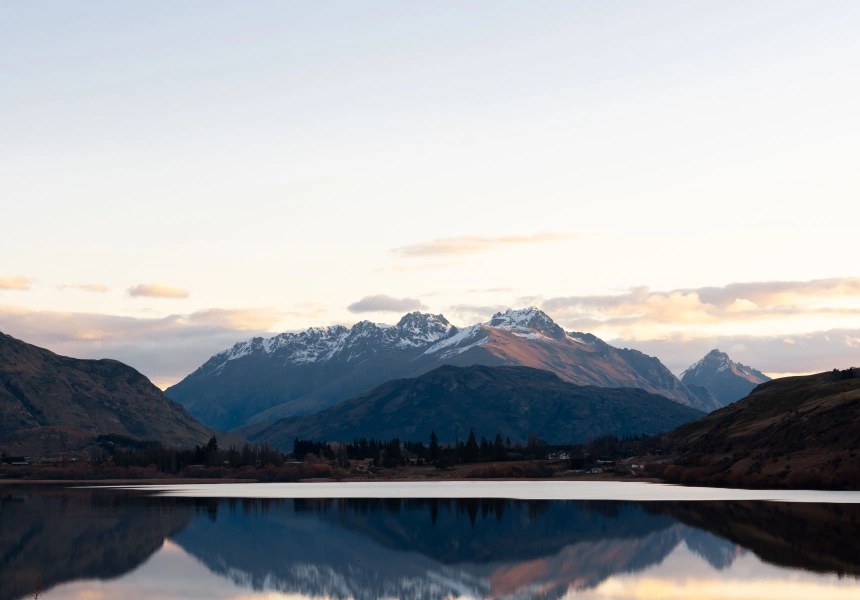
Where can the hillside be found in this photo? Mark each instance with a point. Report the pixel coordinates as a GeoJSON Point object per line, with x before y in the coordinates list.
{"type": "Point", "coordinates": [51, 403]}
{"type": "Point", "coordinates": [264, 380]}
{"type": "Point", "coordinates": [513, 401]}
{"type": "Point", "coordinates": [793, 432]}
{"type": "Point", "coordinates": [724, 378]}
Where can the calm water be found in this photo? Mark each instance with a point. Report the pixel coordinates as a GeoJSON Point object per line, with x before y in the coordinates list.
{"type": "Point", "coordinates": [115, 543]}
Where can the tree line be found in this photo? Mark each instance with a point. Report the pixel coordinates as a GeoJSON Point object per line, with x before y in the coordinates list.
{"type": "Point", "coordinates": [395, 452]}
{"type": "Point", "coordinates": [120, 451]}
{"type": "Point", "coordinates": [124, 452]}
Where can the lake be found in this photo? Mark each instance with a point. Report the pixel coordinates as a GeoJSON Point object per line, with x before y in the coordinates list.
{"type": "Point", "coordinates": [455, 539]}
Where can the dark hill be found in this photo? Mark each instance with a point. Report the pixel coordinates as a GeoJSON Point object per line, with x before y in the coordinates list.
{"type": "Point", "coordinates": [51, 403]}
{"type": "Point", "coordinates": [513, 401]}
{"type": "Point", "coordinates": [793, 432]}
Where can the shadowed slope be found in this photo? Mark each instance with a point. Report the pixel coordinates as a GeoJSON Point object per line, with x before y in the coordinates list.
{"type": "Point", "coordinates": [51, 403]}
{"type": "Point", "coordinates": [513, 401]}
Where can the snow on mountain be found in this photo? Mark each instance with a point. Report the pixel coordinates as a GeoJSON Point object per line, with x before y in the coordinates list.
{"type": "Point", "coordinates": [716, 362]}
{"type": "Point", "coordinates": [458, 343]}
{"type": "Point", "coordinates": [266, 379]}
{"type": "Point", "coordinates": [320, 344]}
{"type": "Point", "coordinates": [529, 322]}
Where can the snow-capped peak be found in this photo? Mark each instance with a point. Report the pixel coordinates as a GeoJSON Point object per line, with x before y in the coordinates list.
{"type": "Point", "coordinates": [716, 362]}
{"type": "Point", "coordinates": [527, 322]}
{"type": "Point", "coordinates": [318, 344]}
{"type": "Point", "coordinates": [417, 328]}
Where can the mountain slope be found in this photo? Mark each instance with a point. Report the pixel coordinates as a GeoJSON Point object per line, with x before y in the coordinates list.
{"type": "Point", "coordinates": [513, 401]}
{"type": "Point", "coordinates": [789, 432]}
{"type": "Point", "coordinates": [264, 380]}
{"type": "Point", "coordinates": [51, 403]}
{"type": "Point", "coordinates": [725, 379]}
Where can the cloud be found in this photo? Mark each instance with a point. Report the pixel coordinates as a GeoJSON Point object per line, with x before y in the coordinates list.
{"type": "Point", "coordinates": [780, 293]}
{"type": "Point", "coordinates": [156, 290]}
{"type": "Point", "coordinates": [383, 303]}
{"type": "Point", "coordinates": [473, 244]}
{"type": "Point", "coordinates": [15, 283]}
{"type": "Point", "coordinates": [165, 349]}
{"type": "Point", "coordinates": [641, 313]}
{"type": "Point", "coordinates": [235, 319]}
{"type": "Point", "coordinates": [99, 288]}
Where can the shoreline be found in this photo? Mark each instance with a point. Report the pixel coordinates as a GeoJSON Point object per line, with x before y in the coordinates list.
{"type": "Point", "coordinates": [591, 490]}
{"type": "Point", "coordinates": [404, 480]}
{"type": "Point", "coordinates": [623, 489]}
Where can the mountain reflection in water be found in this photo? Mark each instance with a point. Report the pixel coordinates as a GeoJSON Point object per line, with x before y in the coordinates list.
{"type": "Point", "coordinates": [427, 549]}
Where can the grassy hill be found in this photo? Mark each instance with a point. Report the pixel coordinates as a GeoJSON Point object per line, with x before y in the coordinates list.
{"type": "Point", "coordinates": [793, 432]}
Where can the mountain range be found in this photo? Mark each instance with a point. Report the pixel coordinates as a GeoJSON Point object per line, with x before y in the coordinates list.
{"type": "Point", "coordinates": [725, 379]}
{"type": "Point", "coordinates": [51, 403]}
{"type": "Point", "coordinates": [266, 379]}
{"type": "Point", "coordinates": [512, 401]}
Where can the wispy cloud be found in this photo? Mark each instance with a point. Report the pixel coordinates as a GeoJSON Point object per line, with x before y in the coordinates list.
{"type": "Point", "coordinates": [640, 312]}
{"type": "Point", "coordinates": [383, 303]}
{"type": "Point", "coordinates": [156, 290]}
{"type": "Point", "coordinates": [15, 283]}
{"type": "Point", "coordinates": [98, 288]}
{"type": "Point", "coordinates": [473, 244]}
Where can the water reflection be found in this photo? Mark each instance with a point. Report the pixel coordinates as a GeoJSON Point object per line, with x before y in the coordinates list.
{"type": "Point", "coordinates": [423, 549]}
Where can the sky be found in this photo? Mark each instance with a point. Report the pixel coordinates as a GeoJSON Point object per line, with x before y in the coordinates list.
{"type": "Point", "coordinates": [670, 176]}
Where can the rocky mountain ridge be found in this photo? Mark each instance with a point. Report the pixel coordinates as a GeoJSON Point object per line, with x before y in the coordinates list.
{"type": "Point", "coordinates": [264, 380]}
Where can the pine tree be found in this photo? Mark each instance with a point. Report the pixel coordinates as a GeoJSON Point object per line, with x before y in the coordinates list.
{"type": "Point", "coordinates": [471, 452]}
{"type": "Point", "coordinates": [498, 448]}
{"type": "Point", "coordinates": [433, 453]}
{"type": "Point", "coordinates": [486, 451]}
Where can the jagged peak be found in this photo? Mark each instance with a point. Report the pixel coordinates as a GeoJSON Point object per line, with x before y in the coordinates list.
{"type": "Point", "coordinates": [718, 361]}
{"type": "Point", "coordinates": [314, 344]}
{"type": "Point", "coordinates": [415, 317]}
{"type": "Point", "coordinates": [516, 316]}
{"type": "Point", "coordinates": [524, 320]}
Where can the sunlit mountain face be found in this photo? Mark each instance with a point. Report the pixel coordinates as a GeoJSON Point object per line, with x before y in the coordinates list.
{"type": "Point", "coordinates": [108, 544]}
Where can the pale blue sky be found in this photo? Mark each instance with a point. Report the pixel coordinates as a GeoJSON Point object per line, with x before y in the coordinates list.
{"type": "Point", "coordinates": [271, 157]}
